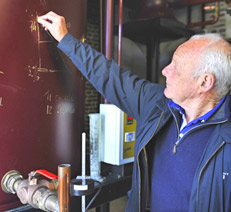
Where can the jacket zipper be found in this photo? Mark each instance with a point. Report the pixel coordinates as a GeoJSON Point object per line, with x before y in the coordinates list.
{"type": "Point", "coordinates": [206, 124]}
{"type": "Point", "coordinates": [178, 131]}
{"type": "Point", "coordinates": [148, 195]}
{"type": "Point", "coordinates": [202, 169]}
{"type": "Point", "coordinates": [146, 158]}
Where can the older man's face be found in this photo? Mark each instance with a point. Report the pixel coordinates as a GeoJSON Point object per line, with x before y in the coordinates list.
{"type": "Point", "coordinates": [180, 83]}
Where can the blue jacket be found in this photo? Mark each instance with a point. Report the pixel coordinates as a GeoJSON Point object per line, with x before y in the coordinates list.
{"type": "Point", "coordinates": [145, 101]}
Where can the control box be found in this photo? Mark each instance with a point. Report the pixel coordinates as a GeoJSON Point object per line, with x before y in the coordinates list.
{"type": "Point", "coordinates": [119, 135]}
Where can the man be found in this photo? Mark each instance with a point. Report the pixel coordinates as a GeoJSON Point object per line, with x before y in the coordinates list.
{"type": "Point", "coordinates": [183, 148]}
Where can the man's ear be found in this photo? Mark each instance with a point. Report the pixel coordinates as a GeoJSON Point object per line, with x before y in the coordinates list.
{"type": "Point", "coordinates": [207, 82]}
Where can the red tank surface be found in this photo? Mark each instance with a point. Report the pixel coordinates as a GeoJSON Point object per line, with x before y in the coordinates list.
{"type": "Point", "coordinates": [41, 93]}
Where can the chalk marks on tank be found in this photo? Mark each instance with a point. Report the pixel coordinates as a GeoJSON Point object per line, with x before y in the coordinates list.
{"type": "Point", "coordinates": [56, 103]}
{"type": "Point", "coordinates": [35, 71]}
{"type": "Point", "coordinates": [64, 104]}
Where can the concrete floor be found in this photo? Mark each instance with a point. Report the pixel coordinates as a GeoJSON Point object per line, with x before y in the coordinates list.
{"type": "Point", "coordinates": [117, 205]}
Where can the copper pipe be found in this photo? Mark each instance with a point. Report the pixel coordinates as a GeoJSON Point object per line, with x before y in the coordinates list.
{"type": "Point", "coordinates": [213, 21]}
{"type": "Point", "coordinates": [108, 31]}
{"type": "Point", "coordinates": [195, 2]}
{"type": "Point", "coordinates": [203, 23]}
{"type": "Point", "coordinates": [64, 171]}
{"type": "Point", "coordinates": [101, 26]}
{"type": "Point", "coordinates": [109, 28]}
{"type": "Point", "coordinates": [189, 3]}
{"type": "Point", "coordinates": [120, 31]}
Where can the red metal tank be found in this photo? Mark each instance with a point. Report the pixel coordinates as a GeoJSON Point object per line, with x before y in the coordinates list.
{"type": "Point", "coordinates": [41, 93]}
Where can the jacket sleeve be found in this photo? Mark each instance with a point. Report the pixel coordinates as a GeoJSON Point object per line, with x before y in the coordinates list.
{"type": "Point", "coordinates": [115, 84]}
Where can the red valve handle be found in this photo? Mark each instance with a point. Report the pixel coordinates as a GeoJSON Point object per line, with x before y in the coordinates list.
{"type": "Point", "coordinates": [47, 174]}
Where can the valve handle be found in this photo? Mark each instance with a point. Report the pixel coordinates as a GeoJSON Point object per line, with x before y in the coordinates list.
{"type": "Point", "coordinates": [47, 174]}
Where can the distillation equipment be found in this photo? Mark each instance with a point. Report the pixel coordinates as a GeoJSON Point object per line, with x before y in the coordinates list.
{"type": "Point", "coordinates": [52, 194]}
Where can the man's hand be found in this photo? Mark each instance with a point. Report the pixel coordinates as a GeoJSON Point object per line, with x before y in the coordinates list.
{"type": "Point", "coordinates": [55, 24]}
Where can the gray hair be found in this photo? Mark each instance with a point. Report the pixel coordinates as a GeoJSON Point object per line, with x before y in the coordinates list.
{"type": "Point", "coordinates": [216, 59]}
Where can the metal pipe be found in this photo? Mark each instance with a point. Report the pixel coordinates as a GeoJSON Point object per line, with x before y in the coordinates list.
{"type": "Point", "coordinates": [109, 28]}
{"type": "Point", "coordinates": [213, 21]}
{"type": "Point", "coordinates": [84, 155]}
{"type": "Point", "coordinates": [51, 203]}
{"type": "Point", "coordinates": [64, 171]}
{"type": "Point", "coordinates": [30, 191]}
{"type": "Point", "coordinates": [101, 26]}
{"type": "Point", "coordinates": [108, 31]}
{"type": "Point", "coordinates": [120, 32]}
{"type": "Point", "coordinates": [189, 3]}
{"type": "Point", "coordinates": [83, 199]}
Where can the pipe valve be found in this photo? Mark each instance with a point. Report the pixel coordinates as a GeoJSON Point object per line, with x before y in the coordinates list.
{"type": "Point", "coordinates": [39, 193]}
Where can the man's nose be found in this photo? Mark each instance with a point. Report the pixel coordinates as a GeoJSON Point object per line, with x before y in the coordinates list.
{"type": "Point", "coordinates": [165, 71]}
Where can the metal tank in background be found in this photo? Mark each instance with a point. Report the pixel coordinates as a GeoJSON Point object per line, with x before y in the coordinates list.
{"type": "Point", "coordinates": [41, 92]}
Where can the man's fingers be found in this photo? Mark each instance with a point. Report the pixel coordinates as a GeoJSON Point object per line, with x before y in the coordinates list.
{"type": "Point", "coordinates": [50, 16]}
{"type": "Point", "coordinates": [44, 23]}
{"type": "Point", "coordinates": [55, 24]}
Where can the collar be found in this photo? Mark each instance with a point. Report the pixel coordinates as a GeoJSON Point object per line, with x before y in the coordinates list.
{"type": "Point", "coordinates": [185, 127]}
{"type": "Point", "coordinates": [200, 119]}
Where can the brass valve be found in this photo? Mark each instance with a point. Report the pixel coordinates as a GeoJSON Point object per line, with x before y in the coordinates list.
{"type": "Point", "coordinates": [38, 193]}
